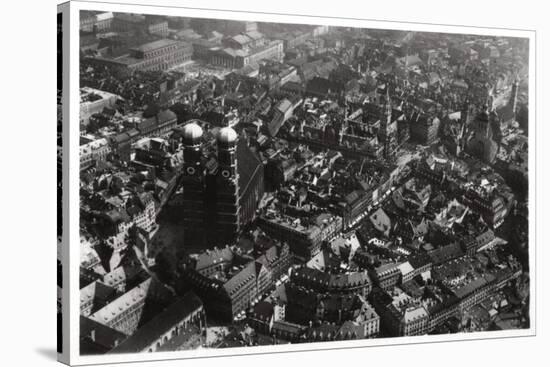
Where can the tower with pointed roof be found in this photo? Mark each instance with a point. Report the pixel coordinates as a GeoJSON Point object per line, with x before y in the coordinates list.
{"type": "Point", "coordinates": [513, 102]}
{"type": "Point", "coordinates": [483, 145]}
{"type": "Point", "coordinates": [227, 186]}
{"type": "Point", "coordinates": [388, 128]}
{"type": "Point", "coordinates": [193, 181]}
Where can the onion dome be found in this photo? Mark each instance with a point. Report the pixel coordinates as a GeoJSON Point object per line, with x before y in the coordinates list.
{"type": "Point", "coordinates": [192, 133]}
{"type": "Point", "coordinates": [227, 137]}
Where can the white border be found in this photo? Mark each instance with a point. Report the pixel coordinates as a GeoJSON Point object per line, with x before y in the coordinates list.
{"type": "Point", "coordinates": [76, 6]}
{"type": "Point", "coordinates": [64, 356]}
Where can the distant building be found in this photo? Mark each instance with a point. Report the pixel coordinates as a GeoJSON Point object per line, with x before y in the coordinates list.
{"type": "Point", "coordinates": [304, 239]}
{"type": "Point", "coordinates": [95, 23]}
{"type": "Point", "coordinates": [386, 276]}
{"type": "Point", "coordinates": [354, 283]}
{"type": "Point", "coordinates": [485, 143]}
{"type": "Point", "coordinates": [125, 22]}
{"type": "Point", "coordinates": [423, 129]}
{"type": "Point", "coordinates": [160, 124]}
{"type": "Point", "coordinates": [491, 205]}
{"type": "Point", "coordinates": [388, 130]}
{"type": "Point", "coordinates": [158, 28]}
{"type": "Point", "coordinates": [282, 112]}
{"type": "Point", "coordinates": [93, 151]}
{"type": "Point", "coordinates": [405, 316]}
{"type": "Point", "coordinates": [94, 101]}
{"type": "Point", "coordinates": [508, 113]}
{"type": "Point", "coordinates": [236, 58]}
{"type": "Point", "coordinates": [157, 55]}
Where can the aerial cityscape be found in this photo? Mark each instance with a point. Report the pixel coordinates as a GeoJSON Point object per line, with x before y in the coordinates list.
{"type": "Point", "coordinates": [246, 183]}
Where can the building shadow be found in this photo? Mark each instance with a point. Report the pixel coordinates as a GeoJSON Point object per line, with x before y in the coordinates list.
{"type": "Point", "coordinates": [49, 353]}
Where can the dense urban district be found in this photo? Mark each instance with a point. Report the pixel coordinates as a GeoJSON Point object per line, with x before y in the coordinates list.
{"type": "Point", "coordinates": [246, 183]}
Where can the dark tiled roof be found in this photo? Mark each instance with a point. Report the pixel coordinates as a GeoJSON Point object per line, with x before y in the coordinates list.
{"type": "Point", "coordinates": [249, 165]}
{"type": "Point", "coordinates": [446, 253]}
{"type": "Point", "coordinates": [506, 113]}
{"type": "Point", "coordinates": [263, 310]}
{"type": "Point", "coordinates": [241, 278]}
{"type": "Point", "coordinates": [99, 293]}
{"type": "Point", "coordinates": [212, 257]}
{"type": "Point", "coordinates": [160, 324]}
{"type": "Point", "coordinates": [305, 276]}
{"type": "Point", "coordinates": [166, 116]}
{"type": "Point", "coordinates": [288, 327]}
{"type": "Point", "coordinates": [469, 288]}
{"type": "Point", "coordinates": [419, 260]}
{"type": "Point", "coordinates": [104, 338]}
{"type": "Point", "coordinates": [322, 86]}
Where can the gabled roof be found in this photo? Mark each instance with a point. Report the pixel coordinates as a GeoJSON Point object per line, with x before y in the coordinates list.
{"type": "Point", "coordinates": [148, 289]}
{"type": "Point", "coordinates": [212, 257]}
{"type": "Point", "coordinates": [414, 314]}
{"type": "Point", "coordinates": [247, 274]}
{"type": "Point", "coordinates": [255, 35]}
{"type": "Point", "coordinates": [149, 333]}
{"type": "Point", "coordinates": [97, 293]}
{"type": "Point", "coordinates": [446, 253]}
{"type": "Point", "coordinates": [263, 310]}
{"type": "Point", "coordinates": [96, 338]}
{"type": "Point", "coordinates": [381, 221]}
{"type": "Point", "coordinates": [241, 39]}
{"type": "Point", "coordinates": [405, 268]}
{"type": "Point", "coordinates": [249, 166]}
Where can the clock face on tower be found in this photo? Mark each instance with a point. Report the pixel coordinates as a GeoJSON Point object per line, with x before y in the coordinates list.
{"type": "Point", "coordinates": [226, 173]}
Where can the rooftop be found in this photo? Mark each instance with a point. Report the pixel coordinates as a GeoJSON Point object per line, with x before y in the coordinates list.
{"type": "Point", "coordinates": [151, 46]}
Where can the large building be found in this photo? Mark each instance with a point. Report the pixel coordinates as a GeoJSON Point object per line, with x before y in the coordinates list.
{"type": "Point", "coordinates": [92, 151]}
{"type": "Point", "coordinates": [158, 55]}
{"type": "Point", "coordinates": [183, 319]}
{"type": "Point", "coordinates": [304, 239]}
{"type": "Point", "coordinates": [229, 283]}
{"type": "Point", "coordinates": [424, 129]}
{"type": "Point", "coordinates": [134, 308]}
{"type": "Point", "coordinates": [96, 23]}
{"type": "Point", "coordinates": [245, 49]}
{"type": "Point", "coordinates": [94, 101]}
{"type": "Point", "coordinates": [386, 276]}
{"type": "Point", "coordinates": [220, 199]}
{"type": "Point", "coordinates": [352, 283]}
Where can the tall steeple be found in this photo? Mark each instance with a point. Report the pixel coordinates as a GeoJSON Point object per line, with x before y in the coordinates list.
{"type": "Point", "coordinates": [388, 103]}
{"type": "Point", "coordinates": [227, 212]}
{"type": "Point", "coordinates": [387, 128]}
{"type": "Point", "coordinates": [192, 135]}
{"type": "Point", "coordinates": [514, 95]}
{"type": "Point", "coordinates": [227, 160]}
{"type": "Point", "coordinates": [193, 209]}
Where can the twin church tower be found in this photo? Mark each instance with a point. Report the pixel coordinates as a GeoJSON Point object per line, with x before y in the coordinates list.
{"type": "Point", "coordinates": [221, 193]}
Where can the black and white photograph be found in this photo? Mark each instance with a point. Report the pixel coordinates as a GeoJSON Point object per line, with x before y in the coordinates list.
{"type": "Point", "coordinates": [251, 184]}
{"type": "Point", "coordinates": [275, 182]}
